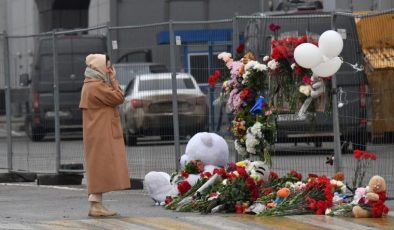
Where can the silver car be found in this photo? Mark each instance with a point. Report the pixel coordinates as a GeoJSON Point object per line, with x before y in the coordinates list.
{"type": "Point", "coordinates": [125, 72]}
{"type": "Point", "coordinates": [147, 109]}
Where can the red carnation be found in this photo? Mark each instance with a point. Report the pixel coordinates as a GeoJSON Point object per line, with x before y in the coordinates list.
{"type": "Point", "coordinates": [200, 166]}
{"type": "Point", "coordinates": [212, 80]}
{"type": "Point", "coordinates": [168, 200]}
{"type": "Point", "coordinates": [183, 187]}
{"type": "Point", "coordinates": [296, 174]}
{"type": "Point", "coordinates": [274, 27]}
{"type": "Point", "coordinates": [206, 174]}
{"type": "Point", "coordinates": [357, 154]}
{"type": "Point", "coordinates": [307, 80]}
{"type": "Point", "coordinates": [221, 172]}
{"type": "Point", "coordinates": [217, 73]}
{"type": "Point", "coordinates": [242, 172]}
{"type": "Point", "coordinates": [366, 155]}
{"type": "Point", "coordinates": [184, 174]}
{"type": "Point", "coordinates": [281, 52]}
{"type": "Point", "coordinates": [245, 93]}
{"type": "Point", "coordinates": [312, 175]}
{"type": "Point", "coordinates": [273, 176]}
{"type": "Point", "coordinates": [298, 70]}
{"type": "Point", "coordinates": [267, 191]}
{"type": "Point", "coordinates": [241, 48]}
{"type": "Point", "coordinates": [373, 156]}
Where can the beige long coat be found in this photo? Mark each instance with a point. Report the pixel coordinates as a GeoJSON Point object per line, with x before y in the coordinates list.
{"type": "Point", "coordinates": [105, 158]}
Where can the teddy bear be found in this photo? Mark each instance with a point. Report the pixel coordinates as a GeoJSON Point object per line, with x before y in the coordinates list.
{"type": "Point", "coordinates": [376, 196]}
{"type": "Point", "coordinates": [209, 148]}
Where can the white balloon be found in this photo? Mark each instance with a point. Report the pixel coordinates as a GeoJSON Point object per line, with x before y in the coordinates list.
{"type": "Point", "coordinates": [328, 68]}
{"type": "Point", "coordinates": [331, 43]}
{"type": "Point", "coordinates": [307, 55]}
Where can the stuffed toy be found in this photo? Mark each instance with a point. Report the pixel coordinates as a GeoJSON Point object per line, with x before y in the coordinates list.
{"type": "Point", "coordinates": [258, 170]}
{"type": "Point", "coordinates": [337, 183]}
{"type": "Point", "coordinates": [208, 150]}
{"type": "Point", "coordinates": [376, 196]}
{"type": "Point", "coordinates": [281, 195]}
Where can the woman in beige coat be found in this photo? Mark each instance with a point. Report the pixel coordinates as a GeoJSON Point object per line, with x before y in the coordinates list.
{"type": "Point", "coordinates": [105, 158]}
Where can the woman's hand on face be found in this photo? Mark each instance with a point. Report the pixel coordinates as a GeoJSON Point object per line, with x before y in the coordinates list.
{"type": "Point", "coordinates": [112, 73]}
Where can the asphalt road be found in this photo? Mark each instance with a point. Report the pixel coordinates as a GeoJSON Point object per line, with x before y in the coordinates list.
{"type": "Point", "coordinates": [155, 155]}
{"type": "Point", "coordinates": [31, 207]}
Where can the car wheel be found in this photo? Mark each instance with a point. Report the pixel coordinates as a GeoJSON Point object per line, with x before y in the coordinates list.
{"type": "Point", "coordinates": [130, 139]}
{"type": "Point", "coordinates": [34, 132]}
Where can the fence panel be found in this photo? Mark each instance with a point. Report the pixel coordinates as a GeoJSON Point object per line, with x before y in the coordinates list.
{"type": "Point", "coordinates": [303, 144]}
{"type": "Point", "coordinates": [71, 49]}
{"type": "Point", "coordinates": [355, 115]}
{"type": "Point", "coordinates": [374, 38]}
{"type": "Point", "coordinates": [198, 46]}
{"type": "Point", "coordinates": [142, 57]}
{"type": "Point", "coordinates": [29, 101]}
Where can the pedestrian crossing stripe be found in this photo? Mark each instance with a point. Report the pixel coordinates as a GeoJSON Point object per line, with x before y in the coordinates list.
{"type": "Point", "coordinates": [220, 222]}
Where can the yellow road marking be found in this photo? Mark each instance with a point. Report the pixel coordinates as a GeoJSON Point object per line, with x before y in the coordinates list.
{"type": "Point", "coordinates": [386, 222]}
{"type": "Point", "coordinates": [282, 223]}
{"type": "Point", "coordinates": [163, 223]}
{"type": "Point", "coordinates": [64, 225]}
{"type": "Point", "coordinates": [108, 223]}
{"type": "Point", "coordinates": [333, 223]}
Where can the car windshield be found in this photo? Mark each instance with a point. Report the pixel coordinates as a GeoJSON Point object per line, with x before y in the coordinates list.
{"type": "Point", "coordinates": [158, 69]}
{"type": "Point", "coordinates": [126, 73]}
{"type": "Point", "coordinates": [165, 84]}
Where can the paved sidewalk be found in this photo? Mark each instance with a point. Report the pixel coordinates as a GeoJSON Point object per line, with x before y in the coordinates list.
{"type": "Point", "coordinates": [27, 206]}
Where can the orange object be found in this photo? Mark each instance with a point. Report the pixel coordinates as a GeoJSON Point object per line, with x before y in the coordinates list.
{"type": "Point", "coordinates": [283, 192]}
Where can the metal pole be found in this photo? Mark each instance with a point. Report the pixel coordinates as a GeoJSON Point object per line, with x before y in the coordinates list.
{"type": "Point", "coordinates": [8, 100]}
{"type": "Point", "coordinates": [56, 102]}
{"type": "Point", "coordinates": [109, 43]}
{"type": "Point", "coordinates": [174, 95]}
{"type": "Point", "coordinates": [335, 118]}
{"type": "Point", "coordinates": [234, 50]}
{"type": "Point", "coordinates": [235, 35]}
{"type": "Point", "coordinates": [210, 89]}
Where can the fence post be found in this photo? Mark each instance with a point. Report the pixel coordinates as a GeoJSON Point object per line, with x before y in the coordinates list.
{"type": "Point", "coordinates": [235, 35]}
{"type": "Point", "coordinates": [56, 102]}
{"type": "Point", "coordinates": [335, 118]}
{"type": "Point", "coordinates": [109, 43]}
{"type": "Point", "coordinates": [8, 101]}
{"type": "Point", "coordinates": [174, 94]}
{"type": "Point", "coordinates": [235, 44]}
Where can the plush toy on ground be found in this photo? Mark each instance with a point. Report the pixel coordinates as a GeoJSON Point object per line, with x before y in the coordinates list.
{"type": "Point", "coordinates": [281, 195]}
{"type": "Point", "coordinates": [208, 150]}
{"type": "Point", "coordinates": [375, 195]}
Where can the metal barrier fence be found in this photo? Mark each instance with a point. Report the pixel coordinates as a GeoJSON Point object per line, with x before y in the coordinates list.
{"type": "Point", "coordinates": [44, 72]}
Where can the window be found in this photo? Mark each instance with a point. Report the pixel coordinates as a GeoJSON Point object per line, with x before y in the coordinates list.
{"type": "Point", "coordinates": [165, 84]}
{"type": "Point", "coordinates": [198, 66]}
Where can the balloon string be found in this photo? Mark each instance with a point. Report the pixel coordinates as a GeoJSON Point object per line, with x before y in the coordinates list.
{"type": "Point", "coordinates": [356, 66]}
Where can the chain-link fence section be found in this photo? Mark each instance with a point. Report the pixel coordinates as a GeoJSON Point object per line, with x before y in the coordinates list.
{"type": "Point", "coordinates": [375, 37]}
{"type": "Point", "coordinates": [364, 121]}
{"type": "Point", "coordinates": [302, 144]}
{"type": "Point", "coordinates": [46, 75]}
{"type": "Point", "coordinates": [143, 69]}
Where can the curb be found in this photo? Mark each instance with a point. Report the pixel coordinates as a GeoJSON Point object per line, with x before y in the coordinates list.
{"type": "Point", "coordinates": [12, 177]}
{"type": "Point", "coordinates": [136, 184]}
